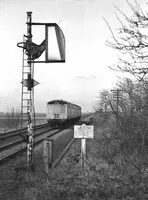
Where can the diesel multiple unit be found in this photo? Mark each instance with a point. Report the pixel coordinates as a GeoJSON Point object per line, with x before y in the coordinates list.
{"type": "Point", "coordinates": [62, 112]}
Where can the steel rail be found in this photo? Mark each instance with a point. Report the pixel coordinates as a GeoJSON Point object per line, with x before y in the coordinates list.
{"type": "Point", "coordinates": [14, 152]}
{"type": "Point", "coordinates": [13, 133]}
{"type": "Point", "coordinates": [4, 147]}
{"type": "Point", "coordinates": [19, 149]}
{"type": "Point", "coordinates": [11, 144]}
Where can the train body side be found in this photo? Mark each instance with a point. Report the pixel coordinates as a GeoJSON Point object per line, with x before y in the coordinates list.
{"type": "Point", "coordinates": [73, 111]}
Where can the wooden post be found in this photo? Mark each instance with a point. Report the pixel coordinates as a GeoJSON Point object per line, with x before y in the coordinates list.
{"type": "Point", "coordinates": [83, 153]}
{"type": "Point", "coordinates": [48, 154]}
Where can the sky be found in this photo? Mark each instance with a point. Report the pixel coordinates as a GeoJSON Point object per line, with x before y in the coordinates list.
{"type": "Point", "coordinates": [85, 71]}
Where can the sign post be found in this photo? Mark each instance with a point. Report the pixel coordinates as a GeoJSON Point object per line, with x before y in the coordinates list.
{"type": "Point", "coordinates": [83, 132]}
{"type": "Point", "coordinates": [83, 153]}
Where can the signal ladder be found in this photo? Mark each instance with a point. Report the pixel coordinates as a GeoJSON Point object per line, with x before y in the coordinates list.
{"type": "Point", "coordinates": [27, 95]}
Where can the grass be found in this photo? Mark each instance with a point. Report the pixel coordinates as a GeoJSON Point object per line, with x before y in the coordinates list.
{"type": "Point", "coordinates": [100, 180]}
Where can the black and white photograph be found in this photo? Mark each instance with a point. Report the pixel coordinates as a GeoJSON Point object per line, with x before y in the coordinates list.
{"type": "Point", "coordinates": [74, 100]}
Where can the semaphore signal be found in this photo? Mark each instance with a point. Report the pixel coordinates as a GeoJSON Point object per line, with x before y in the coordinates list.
{"type": "Point", "coordinates": [54, 47]}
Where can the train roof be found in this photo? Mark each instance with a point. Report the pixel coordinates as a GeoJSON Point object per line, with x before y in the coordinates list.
{"type": "Point", "coordinates": [61, 101]}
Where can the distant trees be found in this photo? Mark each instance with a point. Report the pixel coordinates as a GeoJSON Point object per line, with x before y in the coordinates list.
{"type": "Point", "coordinates": [133, 98]}
{"type": "Point", "coordinates": [13, 117]}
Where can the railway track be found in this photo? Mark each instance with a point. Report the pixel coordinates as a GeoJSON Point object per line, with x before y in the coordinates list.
{"type": "Point", "coordinates": [10, 146]}
{"type": "Point", "coordinates": [10, 150]}
{"type": "Point", "coordinates": [11, 134]}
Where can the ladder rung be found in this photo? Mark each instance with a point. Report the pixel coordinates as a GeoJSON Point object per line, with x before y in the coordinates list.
{"type": "Point", "coordinates": [23, 85]}
{"type": "Point", "coordinates": [25, 100]}
{"type": "Point", "coordinates": [27, 92]}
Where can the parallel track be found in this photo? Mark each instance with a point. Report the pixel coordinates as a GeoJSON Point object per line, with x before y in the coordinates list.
{"type": "Point", "coordinates": [11, 149]}
{"type": "Point", "coordinates": [11, 134]}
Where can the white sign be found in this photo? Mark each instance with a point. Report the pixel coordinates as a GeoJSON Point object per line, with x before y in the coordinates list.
{"type": "Point", "coordinates": [83, 131]}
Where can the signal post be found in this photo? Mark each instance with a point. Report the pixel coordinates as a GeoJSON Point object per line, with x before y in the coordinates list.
{"type": "Point", "coordinates": [54, 47]}
{"type": "Point", "coordinates": [30, 100]}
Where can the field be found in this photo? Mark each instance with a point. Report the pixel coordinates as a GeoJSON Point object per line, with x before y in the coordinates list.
{"type": "Point", "coordinates": [4, 121]}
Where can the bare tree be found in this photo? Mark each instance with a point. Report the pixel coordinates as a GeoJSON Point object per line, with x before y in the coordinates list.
{"type": "Point", "coordinates": [131, 40]}
{"type": "Point", "coordinates": [131, 132]}
{"type": "Point", "coordinates": [103, 101]}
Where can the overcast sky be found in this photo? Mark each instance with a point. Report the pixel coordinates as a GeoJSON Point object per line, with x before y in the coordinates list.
{"type": "Point", "coordinates": [85, 72]}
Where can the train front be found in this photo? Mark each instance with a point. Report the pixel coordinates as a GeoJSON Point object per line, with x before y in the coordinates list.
{"type": "Point", "coordinates": [56, 112]}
